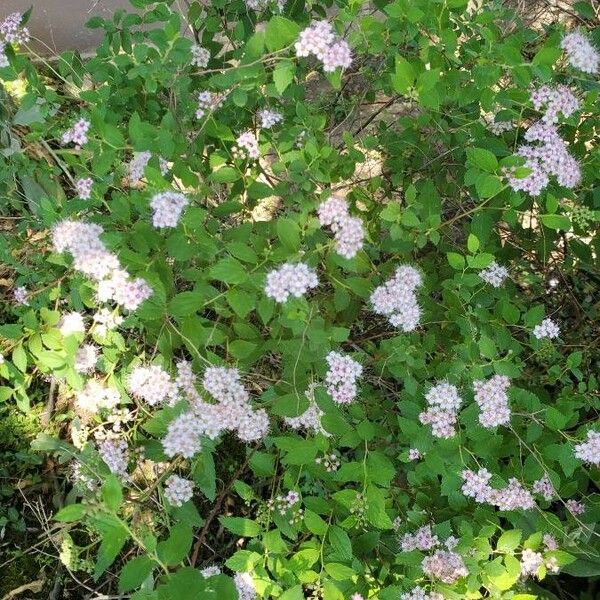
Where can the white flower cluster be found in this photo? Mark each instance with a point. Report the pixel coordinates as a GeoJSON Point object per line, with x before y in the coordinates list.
{"type": "Point", "coordinates": [575, 507]}
{"type": "Point", "coordinates": [445, 565]}
{"type": "Point", "coordinates": [330, 462]}
{"type": "Point", "coordinates": [423, 539]}
{"type": "Point", "coordinates": [310, 419]}
{"type": "Point", "coordinates": [497, 127]}
{"type": "Point", "coordinates": [531, 562]}
{"type": "Point", "coordinates": [11, 32]}
{"type": "Point", "coordinates": [105, 321]}
{"type": "Point", "coordinates": [442, 413]}
{"type": "Point", "coordinates": [115, 453]}
{"type": "Point", "coordinates": [282, 504]}
{"type": "Point", "coordinates": [77, 134]}
{"type": "Point", "coordinates": [544, 487]}
{"type": "Point", "coordinates": [549, 156]}
{"type": "Point", "coordinates": [418, 593]}
{"type": "Point", "coordinates": [200, 56]}
{"type": "Point", "coordinates": [209, 102]}
{"type": "Point", "coordinates": [167, 208]}
{"type": "Point", "coordinates": [21, 296]}
{"type": "Point", "coordinates": [231, 412]}
{"type": "Point", "coordinates": [269, 118]}
{"type": "Point", "coordinates": [414, 454]}
{"type": "Point", "coordinates": [492, 399]}
{"type": "Point", "coordinates": [91, 258]}
{"type": "Point", "coordinates": [348, 231]}
{"type": "Point", "coordinates": [556, 100]}
{"type": "Point", "coordinates": [340, 379]}
{"type": "Point", "coordinates": [320, 40]}
{"type": "Point", "coordinates": [84, 187]}
{"type": "Point", "coordinates": [95, 396]}
{"type": "Point", "coordinates": [290, 280]}
{"type": "Point", "coordinates": [397, 299]}
{"type": "Point", "coordinates": [494, 274]}
{"type": "Point", "coordinates": [589, 451]}
{"type": "Point", "coordinates": [151, 384]}
{"type": "Point", "coordinates": [244, 584]}
{"type": "Point", "coordinates": [137, 166]}
{"type": "Point", "coordinates": [70, 323]}
{"type": "Point", "coordinates": [580, 52]}
{"type": "Point", "coordinates": [546, 329]}
{"type": "Point", "coordinates": [210, 571]}
{"type": "Point", "coordinates": [513, 497]}
{"type": "Point", "coordinates": [86, 358]}
{"type": "Point", "coordinates": [246, 147]}
{"type": "Point", "coordinates": [178, 490]}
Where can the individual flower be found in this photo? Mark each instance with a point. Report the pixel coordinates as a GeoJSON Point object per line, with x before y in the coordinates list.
{"type": "Point", "coordinates": [397, 300]}
{"type": "Point", "coordinates": [290, 280]}
{"type": "Point", "coordinates": [200, 56]}
{"type": "Point", "coordinates": [70, 323]}
{"type": "Point", "coordinates": [580, 52]}
{"type": "Point", "coordinates": [414, 454]}
{"type": "Point", "coordinates": [589, 451]}
{"type": "Point", "coordinates": [167, 208]}
{"type": "Point", "coordinates": [493, 401]}
{"type": "Point", "coordinates": [546, 329]}
{"type": "Point", "coordinates": [494, 274]}
{"type": "Point", "coordinates": [340, 379]}
{"type": "Point", "coordinates": [269, 118]}
{"type": "Point", "coordinates": [442, 413]}
{"type": "Point", "coordinates": [178, 490]}
{"type": "Point", "coordinates": [84, 187]}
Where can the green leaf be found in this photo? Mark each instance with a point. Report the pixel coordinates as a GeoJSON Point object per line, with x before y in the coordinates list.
{"type": "Point", "coordinates": [340, 542]}
{"type": "Point", "coordinates": [283, 75]}
{"type": "Point", "coordinates": [289, 234]}
{"type": "Point", "coordinates": [556, 221]}
{"type": "Point", "coordinates": [19, 358]}
{"type": "Point", "coordinates": [456, 261]}
{"type": "Point", "coordinates": [114, 535]}
{"type": "Point", "coordinates": [186, 303]}
{"type": "Point", "coordinates": [404, 75]}
{"type": "Point", "coordinates": [225, 175]}
{"type": "Point", "coordinates": [339, 572]}
{"type": "Point", "coordinates": [229, 270]}
{"type": "Point", "coordinates": [241, 349]}
{"type": "Point", "coordinates": [134, 573]}
{"type": "Point", "coordinates": [204, 474]}
{"type": "Point", "coordinates": [241, 526]}
{"type": "Point", "coordinates": [112, 494]}
{"type": "Point", "coordinates": [509, 540]}
{"type": "Point", "coordinates": [482, 159]}
{"type": "Point", "coordinates": [488, 186]}
{"type": "Point", "coordinates": [70, 513]}
{"type": "Point", "coordinates": [177, 546]}
{"type": "Point", "coordinates": [241, 302]}
{"type": "Point", "coordinates": [472, 243]}
{"type": "Point", "coordinates": [280, 32]}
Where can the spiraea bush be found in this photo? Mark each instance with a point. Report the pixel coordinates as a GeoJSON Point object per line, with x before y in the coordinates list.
{"type": "Point", "coordinates": [309, 291]}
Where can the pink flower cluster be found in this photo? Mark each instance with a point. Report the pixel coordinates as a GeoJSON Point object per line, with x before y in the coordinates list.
{"type": "Point", "coordinates": [115, 453]}
{"type": "Point", "coordinates": [178, 490]}
{"type": "Point", "coordinates": [340, 379]}
{"type": "Point", "coordinates": [423, 539]}
{"type": "Point", "coordinates": [348, 231]}
{"type": "Point", "coordinates": [320, 40]}
{"type": "Point", "coordinates": [77, 134]}
{"type": "Point", "coordinates": [445, 565]}
{"type": "Point", "coordinates": [544, 488]}
{"type": "Point", "coordinates": [269, 118]}
{"type": "Point", "coordinates": [531, 562]}
{"type": "Point", "coordinates": [137, 166]}
{"type": "Point", "coordinates": [546, 329]}
{"type": "Point", "coordinates": [290, 280]}
{"type": "Point", "coordinates": [200, 56]}
{"type": "Point", "coordinates": [246, 147]}
{"type": "Point", "coordinates": [167, 208]}
{"type": "Point", "coordinates": [442, 413]}
{"type": "Point", "coordinates": [21, 296]}
{"type": "Point", "coordinates": [397, 300]}
{"type": "Point", "coordinates": [209, 102]}
{"type": "Point", "coordinates": [418, 593]}
{"type": "Point", "coordinates": [575, 507]}
{"type": "Point", "coordinates": [11, 32]}
{"type": "Point", "coordinates": [492, 399]}
{"type": "Point", "coordinates": [513, 497]}
{"type": "Point", "coordinates": [556, 100]}
{"type": "Point", "coordinates": [494, 274]}
{"type": "Point", "coordinates": [589, 451]}
{"type": "Point", "coordinates": [84, 187]}
{"type": "Point", "coordinates": [580, 52]}
{"type": "Point", "coordinates": [91, 257]}
{"type": "Point", "coordinates": [310, 419]}
{"type": "Point", "coordinates": [152, 384]}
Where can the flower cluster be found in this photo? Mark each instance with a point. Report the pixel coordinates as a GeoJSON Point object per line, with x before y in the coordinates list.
{"type": "Point", "coordinates": [492, 399]}
{"type": "Point", "coordinates": [330, 462]}
{"type": "Point", "coordinates": [310, 419]}
{"type": "Point", "coordinates": [84, 187]}
{"type": "Point", "coordinates": [497, 127]}
{"type": "Point", "coordinates": [183, 436]}
{"type": "Point", "coordinates": [290, 280]}
{"type": "Point", "coordinates": [209, 102]}
{"type": "Point", "coordinates": [95, 396]}
{"type": "Point", "coordinates": [414, 454]}
{"type": "Point", "coordinates": [442, 413]}
{"type": "Point", "coordinates": [556, 100]}
{"type": "Point", "coordinates": [423, 539]}
{"type": "Point", "coordinates": [546, 329]}
{"type": "Point", "coordinates": [151, 384]}
{"type": "Point", "coordinates": [418, 593]}
{"type": "Point", "coordinates": [70, 323]}
{"type": "Point", "coordinates": [589, 451]}
{"type": "Point", "coordinates": [178, 490]}
{"type": "Point", "coordinates": [494, 274]}
{"type": "Point", "coordinates": [269, 118]}
{"type": "Point", "coordinates": [115, 453]}
{"type": "Point", "coordinates": [513, 497]}
{"type": "Point", "coordinates": [167, 208]}
{"type": "Point", "coordinates": [320, 40]}
{"type": "Point", "coordinates": [580, 52]}
{"type": "Point", "coordinates": [91, 258]}
{"type": "Point", "coordinates": [340, 380]}
{"type": "Point", "coordinates": [21, 296]}
{"type": "Point", "coordinates": [200, 56]}
{"type": "Point", "coordinates": [244, 585]}
{"type": "Point", "coordinates": [575, 507]}
{"type": "Point", "coordinates": [77, 134]}
{"type": "Point", "coordinates": [544, 487]}
{"type": "Point", "coordinates": [531, 562]}
{"type": "Point", "coordinates": [105, 321]}
{"type": "Point", "coordinates": [348, 231]}
{"type": "Point", "coordinates": [11, 32]}
{"type": "Point", "coordinates": [396, 298]}
{"type": "Point", "coordinates": [86, 358]}
{"type": "Point", "coordinates": [137, 166]}
{"type": "Point", "coordinates": [445, 565]}
{"type": "Point", "coordinates": [246, 147]}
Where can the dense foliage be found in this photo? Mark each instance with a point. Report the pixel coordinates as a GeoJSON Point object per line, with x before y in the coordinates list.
{"type": "Point", "coordinates": [303, 296]}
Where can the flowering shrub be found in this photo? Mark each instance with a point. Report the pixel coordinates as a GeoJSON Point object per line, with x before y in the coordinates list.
{"type": "Point", "coordinates": [292, 349]}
